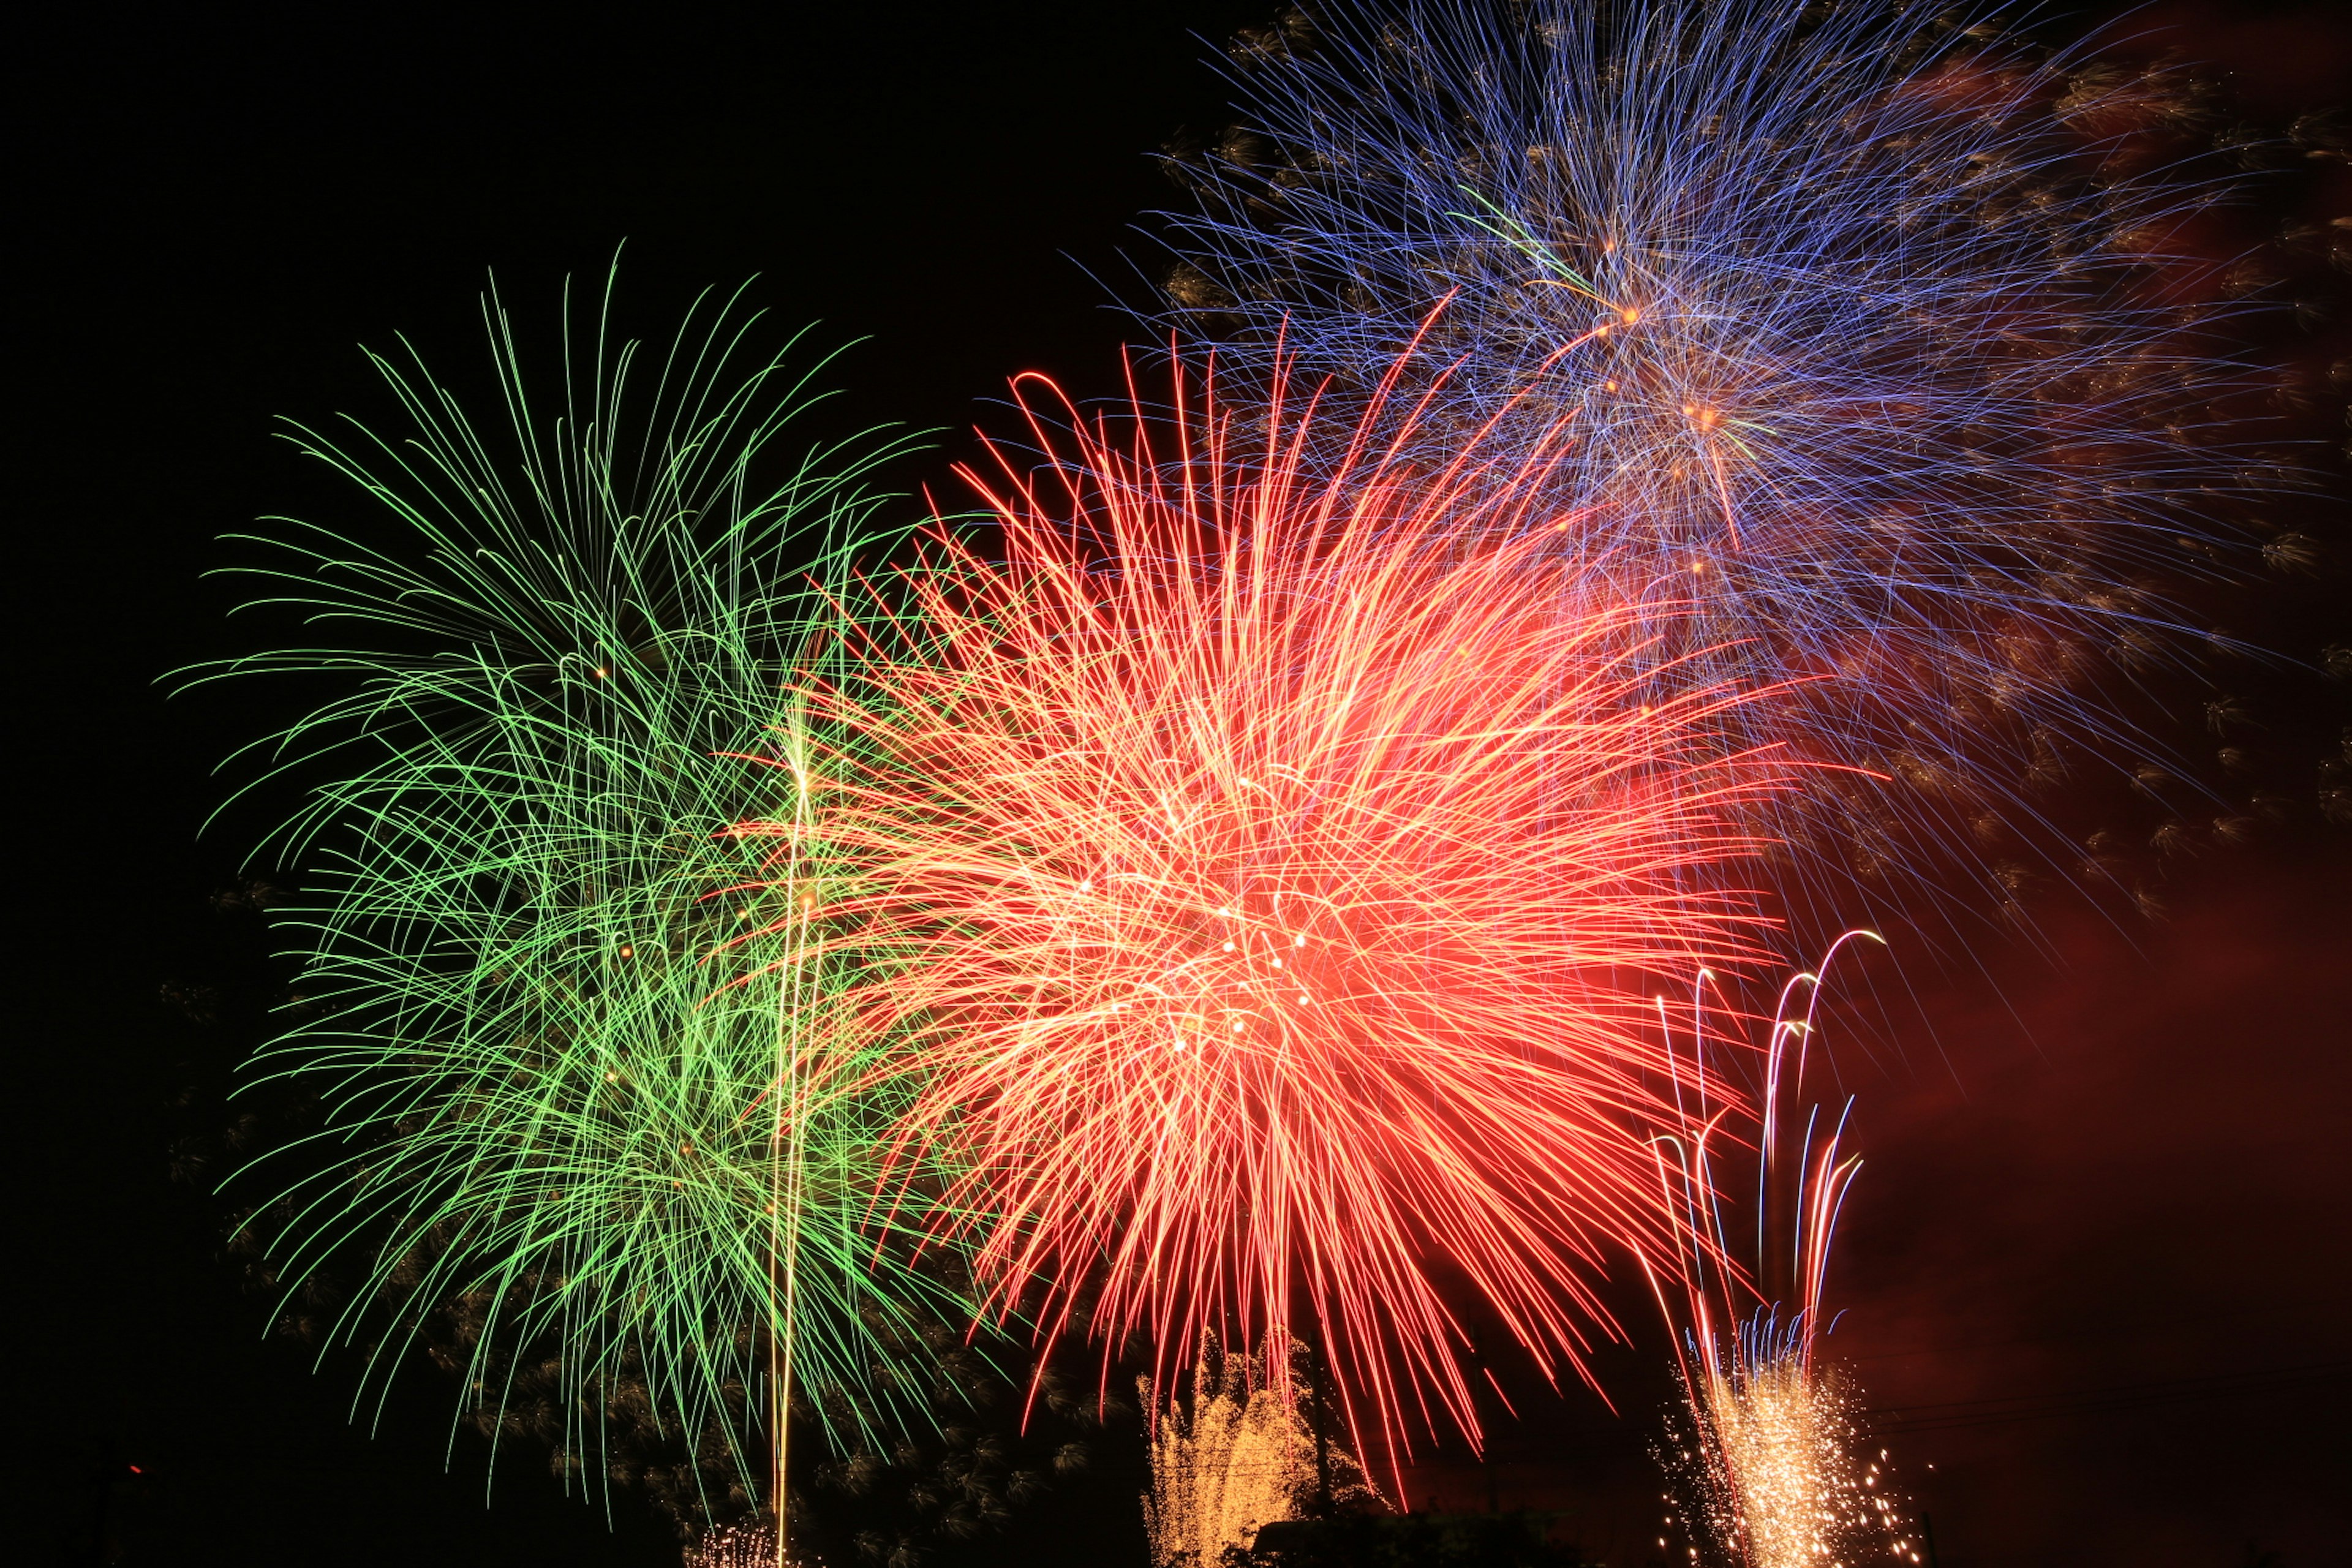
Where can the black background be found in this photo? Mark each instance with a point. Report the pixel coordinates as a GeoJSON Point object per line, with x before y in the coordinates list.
{"type": "Point", "coordinates": [2114, 1172]}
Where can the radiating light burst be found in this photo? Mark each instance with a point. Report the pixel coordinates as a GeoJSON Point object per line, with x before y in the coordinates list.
{"type": "Point", "coordinates": [1273, 888]}
{"type": "Point", "coordinates": [1240, 1458]}
{"type": "Point", "coordinates": [560, 1078]}
{"type": "Point", "coordinates": [1889, 348]}
{"type": "Point", "coordinates": [1771, 1456]}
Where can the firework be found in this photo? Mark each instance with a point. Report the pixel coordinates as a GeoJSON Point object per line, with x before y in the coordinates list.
{"type": "Point", "coordinates": [1773, 1459]}
{"type": "Point", "coordinates": [563, 1084]}
{"type": "Point", "coordinates": [1267, 893]}
{"type": "Point", "coordinates": [1882, 338]}
{"type": "Point", "coordinates": [1243, 1456]}
{"type": "Point", "coordinates": [745, 1546]}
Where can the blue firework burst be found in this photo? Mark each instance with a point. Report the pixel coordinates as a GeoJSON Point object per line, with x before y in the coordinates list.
{"type": "Point", "coordinates": [1892, 343]}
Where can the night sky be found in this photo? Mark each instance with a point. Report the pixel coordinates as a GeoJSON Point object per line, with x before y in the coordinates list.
{"type": "Point", "coordinates": [2095, 1273]}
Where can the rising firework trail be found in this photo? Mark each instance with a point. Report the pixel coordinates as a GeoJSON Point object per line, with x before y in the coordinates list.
{"type": "Point", "coordinates": [1889, 350]}
{"type": "Point", "coordinates": [1266, 882]}
{"type": "Point", "coordinates": [1772, 1458]}
{"type": "Point", "coordinates": [567, 1081]}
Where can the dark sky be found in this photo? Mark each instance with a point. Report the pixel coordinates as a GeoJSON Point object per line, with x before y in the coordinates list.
{"type": "Point", "coordinates": [2094, 1271]}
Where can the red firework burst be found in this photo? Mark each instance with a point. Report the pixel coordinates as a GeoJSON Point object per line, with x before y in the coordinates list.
{"type": "Point", "coordinates": [1275, 892]}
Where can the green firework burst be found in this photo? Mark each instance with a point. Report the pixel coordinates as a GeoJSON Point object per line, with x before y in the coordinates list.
{"type": "Point", "coordinates": [573, 1074]}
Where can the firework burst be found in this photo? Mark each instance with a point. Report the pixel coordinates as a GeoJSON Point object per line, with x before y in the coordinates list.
{"type": "Point", "coordinates": [1240, 1458]}
{"type": "Point", "coordinates": [1266, 884]}
{"type": "Point", "coordinates": [1883, 339]}
{"type": "Point", "coordinates": [562, 1081]}
{"type": "Point", "coordinates": [1772, 1456]}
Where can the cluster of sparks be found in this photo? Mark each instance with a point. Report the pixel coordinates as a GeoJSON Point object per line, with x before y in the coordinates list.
{"type": "Point", "coordinates": [1220, 897]}
{"type": "Point", "coordinates": [746, 1546]}
{"type": "Point", "coordinates": [1774, 1465]}
{"type": "Point", "coordinates": [1797, 1489]}
{"type": "Point", "coordinates": [1243, 1456]}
